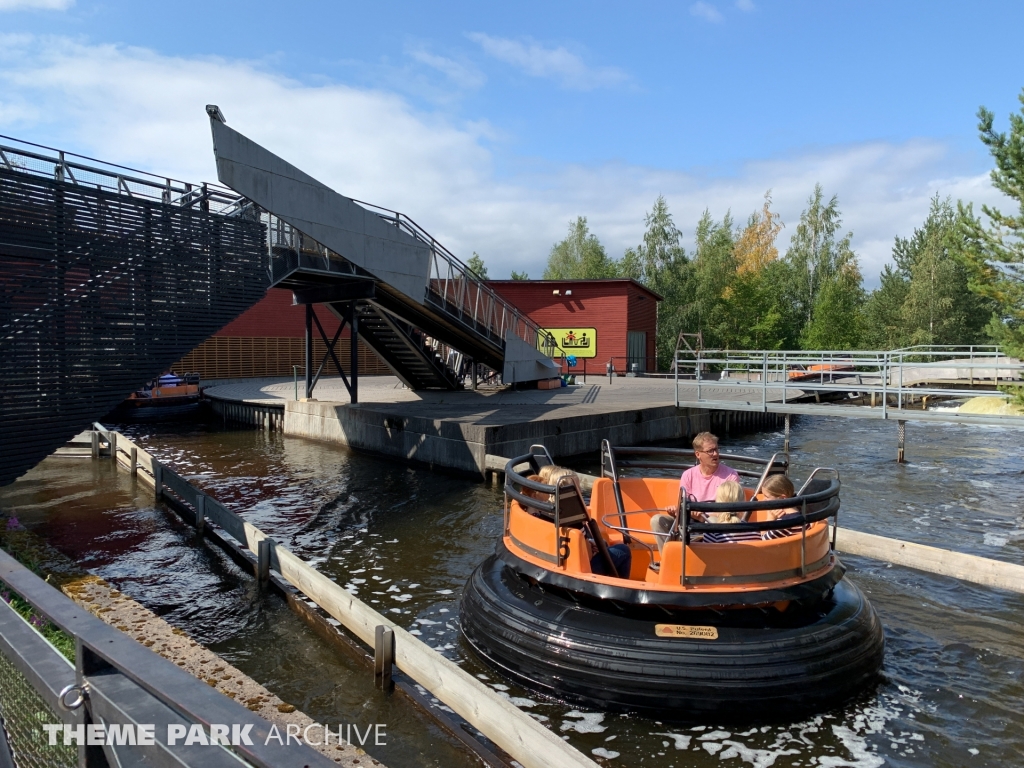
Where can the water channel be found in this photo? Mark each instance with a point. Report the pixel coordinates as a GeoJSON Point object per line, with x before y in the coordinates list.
{"type": "Point", "coordinates": [406, 539]}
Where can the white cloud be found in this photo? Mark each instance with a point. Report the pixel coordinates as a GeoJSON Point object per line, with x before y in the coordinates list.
{"type": "Point", "coordinates": [745, 5]}
{"type": "Point", "coordinates": [44, 5]}
{"type": "Point", "coordinates": [142, 109]}
{"type": "Point", "coordinates": [706, 11]}
{"type": "Point", "coordinates": [462, 74]}
{"type": "Point", "coordinates": [554, 63]}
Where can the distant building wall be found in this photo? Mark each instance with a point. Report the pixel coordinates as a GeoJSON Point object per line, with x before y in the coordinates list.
{"type": "Point", "coordinates": [614, 308]}
{"type": "Point", "coordinates": [268, 339]}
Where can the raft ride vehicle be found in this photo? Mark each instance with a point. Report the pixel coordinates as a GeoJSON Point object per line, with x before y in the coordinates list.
{"type": "Point", "coordinates": [758, 630]}
{"type": "Point", "coordinates": [167, 397]}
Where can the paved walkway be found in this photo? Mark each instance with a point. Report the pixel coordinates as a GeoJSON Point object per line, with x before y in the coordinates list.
{"type": "Point", "coordinates": [597, 396]}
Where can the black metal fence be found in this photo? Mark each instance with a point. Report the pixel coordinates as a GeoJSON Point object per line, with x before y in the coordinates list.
{"type": "Point", "coordinates": [102, 289]}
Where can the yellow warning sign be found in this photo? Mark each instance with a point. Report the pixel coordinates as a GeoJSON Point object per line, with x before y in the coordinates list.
{"type": "Point", "coordinates": [581, 342]}
{"type": "Point", "coordinates": [686, 630]}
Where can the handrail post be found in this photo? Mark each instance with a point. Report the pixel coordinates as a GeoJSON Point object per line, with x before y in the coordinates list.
{"type": "Point", "coordinates": [764, 384]}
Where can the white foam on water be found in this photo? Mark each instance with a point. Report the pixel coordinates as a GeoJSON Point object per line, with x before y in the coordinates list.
{"type": "Point", "coordinates": [499, 686]}
{"type": "Point", "coordinates": [682, 740]}
{"type": "Point", "coordinates": [605, 753]}
{"type": "Point", "coordinates": [444, 591]}
{"type": "Point", "coordinates": [415, 632]}
{"type": "Point", "coordinates": [519, 701]}
{"type": "Point", "coordinates": [589, 722]}
{"type": "Point", "coordinates": [861, 755]}
{"type": "Point", "coordinates": [413, 586]}
{"type": "Point", "coordinates": [759, 758]}
{"type": "Point", "coordinates": [996, 540]}
{"type": "Point", "coordinates": [393, 588]}
{"type": "Point", "coordinates": [429, 623]}
{"type": "Point", "coordinates": [712, 747]}
{"type": "Point", "coordinates": [403, 598]}
{"type": "Point", "coordinates": [714, 736]}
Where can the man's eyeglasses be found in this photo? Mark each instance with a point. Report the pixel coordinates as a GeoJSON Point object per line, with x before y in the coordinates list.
{"type": "Point", "coordinates": [709, 450]}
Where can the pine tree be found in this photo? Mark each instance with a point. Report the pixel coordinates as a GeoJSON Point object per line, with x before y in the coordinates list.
{"type": "Point", "coordinates": [995, 254]}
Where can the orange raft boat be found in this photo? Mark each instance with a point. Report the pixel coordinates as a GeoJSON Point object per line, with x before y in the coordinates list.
{"type": "Point", "coordinates": [746, 631]}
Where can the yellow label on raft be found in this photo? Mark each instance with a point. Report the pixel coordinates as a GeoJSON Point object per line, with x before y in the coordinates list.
{"type": "Point", "coordinates": [685, 630]}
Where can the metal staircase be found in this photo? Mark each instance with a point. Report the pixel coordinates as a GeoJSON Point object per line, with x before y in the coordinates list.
{"type": "Point", "coordinates": [427, 314]}
{"type": "Point", "coordinates": [407, 350]}
{"type": "Point", "coordinates": [107, 277]}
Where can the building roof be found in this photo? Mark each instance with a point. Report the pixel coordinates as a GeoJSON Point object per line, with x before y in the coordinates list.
{"type": "Point", "coordinates": [637, 285]}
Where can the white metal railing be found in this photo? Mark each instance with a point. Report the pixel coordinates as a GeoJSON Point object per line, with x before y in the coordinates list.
{"type": "Point", "coordinates": [777, 380]}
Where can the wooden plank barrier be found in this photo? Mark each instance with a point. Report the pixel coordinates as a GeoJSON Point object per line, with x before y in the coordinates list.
{"type": "Point", "coordinates": [525, 739]}
{"type": "Point", "coordinates": [943, 562]}
{"type": "Point", "coordinates": [957, 565]}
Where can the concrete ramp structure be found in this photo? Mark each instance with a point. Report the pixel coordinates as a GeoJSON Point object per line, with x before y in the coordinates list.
{"type": "Point", "coordinates": [426, 314]}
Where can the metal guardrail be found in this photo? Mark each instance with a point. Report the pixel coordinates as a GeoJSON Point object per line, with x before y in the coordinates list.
{"type": "Point", "coordinates": [67, 167]}
{"type": "Point", "coordinates": [117, 682]}
{"type": "Point", "coordinates": [890, 381]}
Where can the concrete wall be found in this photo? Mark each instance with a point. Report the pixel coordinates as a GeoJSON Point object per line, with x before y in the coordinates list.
{"type": "Point", "coordinates": [464, 446]}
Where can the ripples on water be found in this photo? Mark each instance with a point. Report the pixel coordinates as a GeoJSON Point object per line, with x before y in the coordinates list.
{"type": "Point", "coordinates": [405, 540]}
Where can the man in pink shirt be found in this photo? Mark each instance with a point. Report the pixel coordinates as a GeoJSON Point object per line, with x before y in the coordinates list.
{"type": "Point", "coordinates": [703, 480]}
{"type": "Point", "coordinates": [700, 481]}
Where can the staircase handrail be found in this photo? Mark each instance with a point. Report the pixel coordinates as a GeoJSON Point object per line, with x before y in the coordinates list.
{"type": "Point", "coordinates": [453, 284]}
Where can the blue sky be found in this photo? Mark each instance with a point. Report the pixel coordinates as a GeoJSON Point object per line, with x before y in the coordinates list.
{"type": "Point", "coordinates": [494, 125]}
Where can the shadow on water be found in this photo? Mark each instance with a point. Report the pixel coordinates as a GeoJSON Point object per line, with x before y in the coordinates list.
{"type": "Point", "coordinates": [406, 540]}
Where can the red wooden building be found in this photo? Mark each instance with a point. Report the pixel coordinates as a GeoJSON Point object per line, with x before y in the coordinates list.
{"type": "Point", "coordinates": [599, 321]}
{"type": "Point", "coordinates": [596, 321]}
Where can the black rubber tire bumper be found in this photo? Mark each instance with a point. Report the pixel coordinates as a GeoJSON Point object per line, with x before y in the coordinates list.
{"type": "Point", "coordinates": [763, 666]}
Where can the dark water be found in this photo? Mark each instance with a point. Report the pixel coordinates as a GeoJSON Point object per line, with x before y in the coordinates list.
{"type": "Point", "coordinates": [406, 540]}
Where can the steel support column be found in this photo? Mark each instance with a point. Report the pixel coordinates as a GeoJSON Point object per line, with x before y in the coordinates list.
{"type": "Point", "coordinates": [309, 351]}
{"type": "Point", "coordinates": [353, 324]}
{"type": "Point", "coordinates": [901, 441]}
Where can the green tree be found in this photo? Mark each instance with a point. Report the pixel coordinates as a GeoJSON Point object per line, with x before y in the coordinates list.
{"type": "Point", "coordinates": [649, 262]}
{"type": "Point", "coordinates": [882, 323]}
{"type": "Point", "coordinates": [660, 263]}
{"type": "Point", "coordinates": [519, 275]}
{"type": "Point", "coordinates": [710, 273]}
{"type": "Point", "coordinates": [579, 256]}
{"type": "Point", "coordinates": [758, 310]}
{"type": "Point", "coordinates": [939, 308]}
{"type": "Point", "coordinates": [834, 322]}
{"type": "Point", "coordinates": [995, 253]}
{"type": "Point", "coordinates": [815, 254]}
{"type": "Point", "coordinates": [476, 264]}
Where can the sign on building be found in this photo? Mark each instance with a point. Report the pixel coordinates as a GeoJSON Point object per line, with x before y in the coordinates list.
{"type": "Point", "coordinates": [581, 342]}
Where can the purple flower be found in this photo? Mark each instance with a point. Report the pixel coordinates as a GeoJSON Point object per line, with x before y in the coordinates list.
{"type": "Point", "coordinates": [12, 523]}
{"type": "Point", "coordinates": [6, 596]}
{"type": "Point", "coordinates": [38, 622]}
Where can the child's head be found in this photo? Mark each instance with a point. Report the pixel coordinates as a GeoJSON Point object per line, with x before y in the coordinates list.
{"type": "Point", "coordinates": [545, 473]}
{"type": "Point", "coordinates": [558, 473]}
{"type": "Point", "coordinates": [729, 492]}
{"type": "Point", "coordinates": [778, 487]}
{"type": "Point", "coordinates": [532, 493]}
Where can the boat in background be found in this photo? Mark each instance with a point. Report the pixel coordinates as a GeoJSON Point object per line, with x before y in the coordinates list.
{"type": "Point", "coordinates": [168, 397]}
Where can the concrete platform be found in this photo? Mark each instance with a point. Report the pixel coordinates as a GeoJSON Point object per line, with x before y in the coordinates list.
{"type": "Point", "coordinates": [457, 430]}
